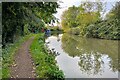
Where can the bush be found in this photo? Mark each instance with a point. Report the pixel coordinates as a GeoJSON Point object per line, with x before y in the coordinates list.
{"type": "Point", "coordinates": [55, 73]}
{"type": "Point", "coordinates": [92, 31]}
{"type": "Point", "coordinates": [75, 31]}
{"type": "Point", "coordinates": [104, 29]}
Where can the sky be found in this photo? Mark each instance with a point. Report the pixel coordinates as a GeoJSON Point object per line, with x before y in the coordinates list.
{"type": "Point", "coordinates": [69, 3]}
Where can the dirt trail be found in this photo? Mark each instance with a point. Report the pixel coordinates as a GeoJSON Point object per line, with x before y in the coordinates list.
{"type": "Point", "coordinates": [23, 66]}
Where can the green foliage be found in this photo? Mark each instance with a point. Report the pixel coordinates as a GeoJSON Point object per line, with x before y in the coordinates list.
{"type": "Point", "coordinates": [45, 63]}
{"type": "Point", "coordinates": [17, 17]}
{"type": "Point", "coordinates": [107, 29]}
{"type": "Point", "coordinates": [89, 21]}
{"type": "Point", "coordinates": [75, 31]}
{"type": "Point", "coordinates": [69, 18]}
{"type": "Point", "coordinates": [12, 22]}
{"type": "Point", "coordinates": [81, 16]}
{"type": "Point", "coordinates": [55, 73]}
{"type": "Point", "coordinates": [36, 27]}
{"type": "Point", "coordinates": [26, 30]}
{"type": "Point", "coordinates": [114, 13]}
{"type": "Point", "coordinates": [92, 31]}
{"type": "Point", "coordinates": [53, 28]}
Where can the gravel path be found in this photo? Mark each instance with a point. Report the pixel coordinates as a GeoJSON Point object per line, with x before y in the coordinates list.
{"type": "Point", "coordinates": [23, 66]}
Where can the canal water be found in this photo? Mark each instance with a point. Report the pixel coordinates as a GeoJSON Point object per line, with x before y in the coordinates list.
{"type": "Point", "coordinates": [85, 57]}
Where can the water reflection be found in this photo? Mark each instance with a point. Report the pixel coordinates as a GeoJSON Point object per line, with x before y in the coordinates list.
{"type": "Point", "coordinates": [91, 52]}
{"type": "Point", "coordinates": [91, 63]}
{"type": "Point", "coordinates": [85, 57]}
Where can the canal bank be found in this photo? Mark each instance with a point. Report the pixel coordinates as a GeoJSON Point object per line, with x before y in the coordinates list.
{"type": "Point", "coordinates": [45, 63]}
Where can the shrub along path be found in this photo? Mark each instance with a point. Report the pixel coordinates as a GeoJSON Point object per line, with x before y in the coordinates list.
{"type": "Point", "coordinates": [23, 66]}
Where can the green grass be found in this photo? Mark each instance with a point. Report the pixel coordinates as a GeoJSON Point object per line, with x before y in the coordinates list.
{"type": "Point", "coordinates": [45, 63]}
{"type": "Point", "coordinates": [8, 55]}
{"type": "Point", "coordinates": [0, 67]}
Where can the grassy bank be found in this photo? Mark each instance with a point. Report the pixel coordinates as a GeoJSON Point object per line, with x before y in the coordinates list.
{"type": "Point", "coordinates": [8, 55]}
{"type": "Point", "coordinates": [45, 63]}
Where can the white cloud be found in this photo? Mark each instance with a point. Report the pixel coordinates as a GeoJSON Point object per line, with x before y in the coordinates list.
{"type": "Point", "coordinates": [69, 3]}
{"type": "Point", "coordinates": [65, 5]}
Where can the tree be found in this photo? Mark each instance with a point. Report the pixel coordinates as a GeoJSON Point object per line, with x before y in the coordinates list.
{"type": "Point", "coordinates": [69, 18]}
{"type": "Point", "coordinates": [89, 12]}
{"type": "Point", "coordinates": [82, 16]}
{"type": "Point", "coordinates": [16, 15]}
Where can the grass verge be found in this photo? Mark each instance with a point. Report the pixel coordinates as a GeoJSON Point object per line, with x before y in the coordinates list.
{"type": "Point", "coordinates": [45, 63]}
{"type": "Point", "coordinates": [8, 55]}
